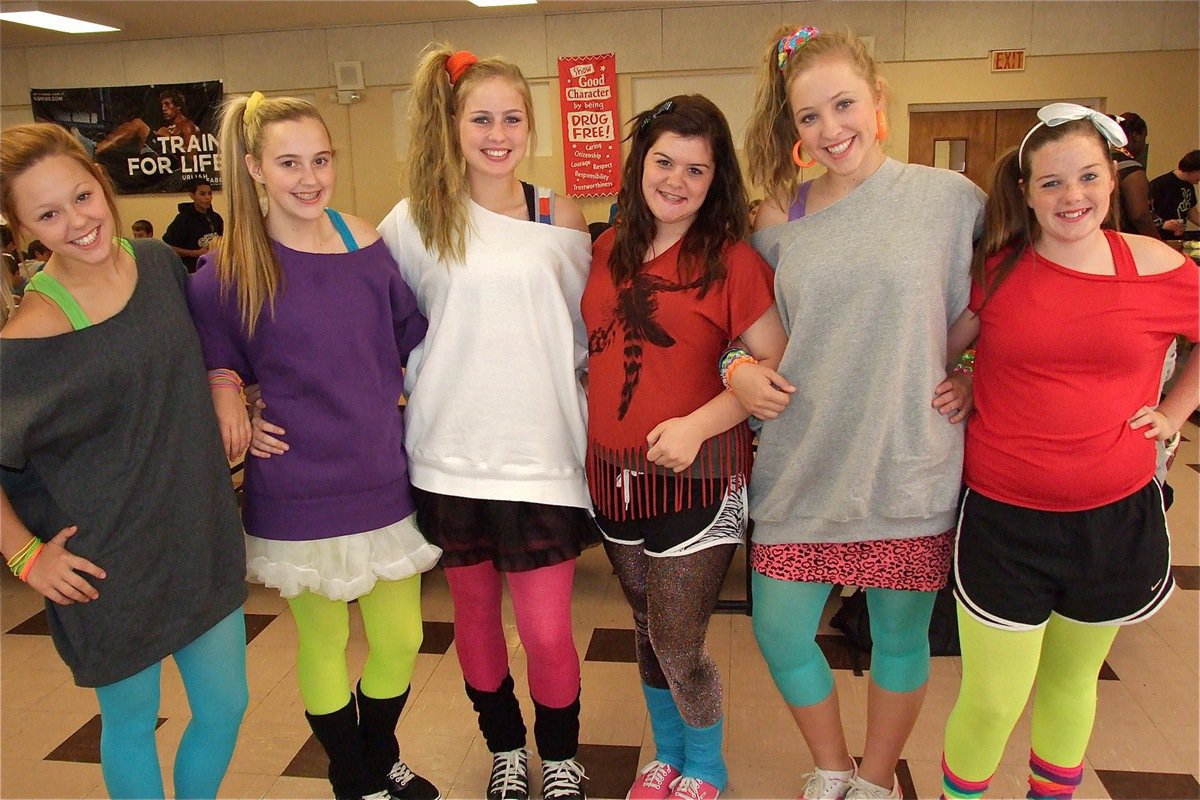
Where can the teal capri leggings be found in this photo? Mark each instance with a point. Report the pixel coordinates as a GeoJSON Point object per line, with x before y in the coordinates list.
{"type": "Point", "coordinates": [786, 616]}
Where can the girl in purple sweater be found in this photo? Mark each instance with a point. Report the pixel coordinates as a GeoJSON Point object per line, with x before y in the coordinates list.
{"type": "Point", "coordinates": [310, 305]}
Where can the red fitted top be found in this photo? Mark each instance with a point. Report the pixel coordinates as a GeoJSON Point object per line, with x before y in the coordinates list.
{"type": "Point", "coordinates": [1063, 361]}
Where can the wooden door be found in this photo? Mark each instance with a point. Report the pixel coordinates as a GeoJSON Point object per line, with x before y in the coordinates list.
{"type": "Point", "coordinates": [976, 128]}
{"type": "Point", "coordinates": [987, 132]}
{"type": "Point", "coordinates": [1011, 126]}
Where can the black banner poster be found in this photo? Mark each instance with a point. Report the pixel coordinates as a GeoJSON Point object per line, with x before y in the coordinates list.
{"type": "Point", "coordinates": [150, 139]}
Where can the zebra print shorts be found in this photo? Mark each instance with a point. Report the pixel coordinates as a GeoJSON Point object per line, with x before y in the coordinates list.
{"type": "Point", "coordinates": [688, 531]}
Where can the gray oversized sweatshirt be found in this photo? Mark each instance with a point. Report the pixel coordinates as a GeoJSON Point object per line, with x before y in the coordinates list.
{"type": "Point", "coordinates": [867, 289]}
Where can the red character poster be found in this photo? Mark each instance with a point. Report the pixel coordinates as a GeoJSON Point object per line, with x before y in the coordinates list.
{"type": "Point", "coordinates": [591, 153]}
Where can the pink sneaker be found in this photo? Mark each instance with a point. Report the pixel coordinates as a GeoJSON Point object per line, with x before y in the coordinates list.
{"type": "Point", "coordinates": [654, 782]}
{"type": "Point", "coordinates": [693, 789]}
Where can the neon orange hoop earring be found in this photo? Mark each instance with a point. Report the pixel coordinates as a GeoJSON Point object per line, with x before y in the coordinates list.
{"type": "Point", "coordinates": [881, 125]}
{"type": "Point", "coordinates": [797, 149]}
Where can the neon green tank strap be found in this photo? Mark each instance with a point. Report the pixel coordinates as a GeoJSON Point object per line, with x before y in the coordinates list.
{"type": "Point", "coordinates": [125, 245]}
{"type": "Point", "coordinates": [56, 293]}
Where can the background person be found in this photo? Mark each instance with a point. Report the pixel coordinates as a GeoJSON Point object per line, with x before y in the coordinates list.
{"type": "Point", "coordinates": [1135, 216]}
{"type": "Point", "coordinates": [36, 256]}
{"type": "Point", "coordinates": [11, 258]}
{"type": "Point", "coordinates": [197, 226]}
{"type": "Point", "coordinates": [1173, 199]}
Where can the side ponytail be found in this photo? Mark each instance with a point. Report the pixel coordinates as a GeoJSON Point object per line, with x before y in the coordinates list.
{"type": "Point", "coordinates": [1006, 223]}
{"type": "Point", "coordinates": [771, 130]}
{"type": "Point", "coordinates": [437, 172]}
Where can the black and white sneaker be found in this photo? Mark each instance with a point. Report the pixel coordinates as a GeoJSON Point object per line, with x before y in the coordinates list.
{"type": "Point", "coordinates": [510, 775]}
{"type": "Point", "coordinates": [563, 780]}
{"type": "Point", "coordinates": [404, 784]}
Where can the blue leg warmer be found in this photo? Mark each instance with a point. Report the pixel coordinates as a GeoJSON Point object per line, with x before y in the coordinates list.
{"type": "Point", "coordinates": [703, 757]}
{"type": "Point", "coordinates": [667, 725]}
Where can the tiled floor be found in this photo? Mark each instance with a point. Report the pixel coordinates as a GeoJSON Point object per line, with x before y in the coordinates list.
{"type": "Point", "coordinates": [1146, 743]}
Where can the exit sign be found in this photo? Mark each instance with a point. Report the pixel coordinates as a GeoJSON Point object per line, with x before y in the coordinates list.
{"type": "Point", "coordinates": [1008, 61]}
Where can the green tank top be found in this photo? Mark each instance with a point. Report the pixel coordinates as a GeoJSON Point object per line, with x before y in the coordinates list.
{"type": "Point", "coordinates": [50, 288]}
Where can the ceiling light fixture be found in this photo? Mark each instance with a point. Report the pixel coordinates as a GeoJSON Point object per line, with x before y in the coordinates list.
{"type": "Point", "coordinates": [498, 3]}
{"type": "Point", "coordinates": [30, 14]}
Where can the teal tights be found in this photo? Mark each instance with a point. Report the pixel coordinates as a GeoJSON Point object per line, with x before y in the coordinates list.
{"type": "Point", "coordinates": [213, 668]}
{"type": "Point", "coordinates": [786, 616]}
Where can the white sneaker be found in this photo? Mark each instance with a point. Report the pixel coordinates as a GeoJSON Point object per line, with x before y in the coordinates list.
{"type": "Point", "coordinates": [825, 784]}
{"type": "Point", "coordinates": [861, 789]}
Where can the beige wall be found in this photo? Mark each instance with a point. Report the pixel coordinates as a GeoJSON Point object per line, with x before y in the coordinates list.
{"type": "Point", "coordinates": [1140, 56]}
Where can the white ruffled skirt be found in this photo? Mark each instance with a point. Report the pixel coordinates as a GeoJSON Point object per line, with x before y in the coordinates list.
{"type": "Point", "coordinates": [342, 567]}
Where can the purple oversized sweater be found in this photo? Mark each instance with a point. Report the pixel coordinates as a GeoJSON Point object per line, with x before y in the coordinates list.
{"type": "Point", "coordinates": [329, 363]}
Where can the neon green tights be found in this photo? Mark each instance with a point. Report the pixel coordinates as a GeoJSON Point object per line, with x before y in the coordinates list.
{"type": "Point", "coordinates": [391, 615]}
{"type": "Point", "coordinates": [1063, 660]}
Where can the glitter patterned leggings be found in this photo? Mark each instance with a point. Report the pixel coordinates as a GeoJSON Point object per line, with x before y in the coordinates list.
{"type": "Point", "coordinates": [672, 599]}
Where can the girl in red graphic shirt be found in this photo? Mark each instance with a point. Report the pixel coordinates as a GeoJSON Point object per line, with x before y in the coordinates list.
{"type": "Point", "coordinates": [668, 450]}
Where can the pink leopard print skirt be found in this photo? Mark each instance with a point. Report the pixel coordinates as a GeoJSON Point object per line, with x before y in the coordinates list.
{"type": "Point", "coordinates": [920, 564]}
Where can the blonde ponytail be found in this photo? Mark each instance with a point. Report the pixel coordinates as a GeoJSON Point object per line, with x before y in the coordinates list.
{"type": "Point", "coordinates": [436, 169]}
{"type": "Point", "coordinates": [246, 260]}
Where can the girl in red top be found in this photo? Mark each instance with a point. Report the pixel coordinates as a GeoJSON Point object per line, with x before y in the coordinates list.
{"type": "Point", "coordinates": [1062, 534]}
{"type": "Point", "coordinates": [668, 450]}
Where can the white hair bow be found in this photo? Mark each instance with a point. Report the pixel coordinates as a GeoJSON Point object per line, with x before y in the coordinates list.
{"type": "Point", "coordinates": [1056, 114]}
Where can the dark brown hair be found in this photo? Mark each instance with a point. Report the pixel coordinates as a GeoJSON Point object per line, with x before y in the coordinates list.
{"type": "Point", "coordinates": [723, 218]}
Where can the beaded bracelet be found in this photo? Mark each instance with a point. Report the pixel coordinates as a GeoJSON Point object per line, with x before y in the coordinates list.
{"type": "Point", "coordinates": [727, 358]}
{"type": "Point", "coordinates": [737, 362]}
{"type": "Point", "coordinates": [23, 557]}
{"type": "Point", "coordinates": [225, 378]}
{"type": "Point", "coordinates": [966, 363]}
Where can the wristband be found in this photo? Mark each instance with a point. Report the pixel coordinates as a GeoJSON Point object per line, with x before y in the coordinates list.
{"type": "Point", "coordinates": [737, 362]}
{"type": "Point", "coordinates": [966, 363]}
{"type": "Point", "coordinates": [225, 378]}
{"type": "Point", "coordinates": [23, 559]}
{"type": "Point", "coordinates": [28, 567]}
{"type": "Point", "coordinates": [728, 356]}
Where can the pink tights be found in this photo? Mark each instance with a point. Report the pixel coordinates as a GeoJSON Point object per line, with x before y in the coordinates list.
{"type": "Point", "coordinates": [541, 600]}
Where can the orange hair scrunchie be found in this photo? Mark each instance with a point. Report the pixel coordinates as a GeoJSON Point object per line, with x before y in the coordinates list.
{"type": "Point", "coordinates": [458, 63]}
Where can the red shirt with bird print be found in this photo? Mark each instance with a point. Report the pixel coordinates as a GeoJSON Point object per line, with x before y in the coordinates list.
{"type": "Point", "coordinates": [653, 347]}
